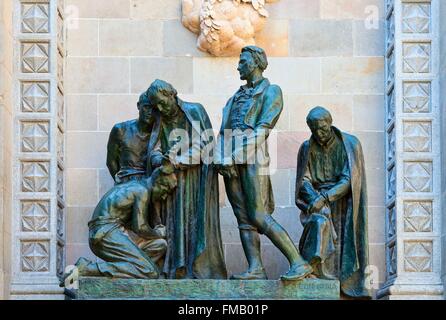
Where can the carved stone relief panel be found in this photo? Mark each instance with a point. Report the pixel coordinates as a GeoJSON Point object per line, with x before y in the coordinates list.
{"type": "Point", "coordinates": [224, 27]}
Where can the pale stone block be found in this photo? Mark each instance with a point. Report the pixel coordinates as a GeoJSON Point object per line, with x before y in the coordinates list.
{"type": "Point", "coordinates": [130, 38]}
{"type": "Point", "coordinates": [82, 112]}
{"type": "Point", "coordinates": [373, 147]}
{"type": "Point", "coordinates": [82, 187]}
{"type": "Point", "coordinates": [377, 260]}
{"type": "Point", "coordinates": [368, 41]}
{"type": "Point", "coordinates": [235, 259]}
{"type": "Point", "coordinates": [368, 113]}
{"type": "Point", "coordinates": [377, 224]}
{"type": "Point", "coordinates": [178, 41]}
{"type": "Point", "coordinates": [288, 143]}
{"type": "Point", "coordinates": [321, 38]}
{"type": "Point", "coordinates": [216, 76]}
{"type": "Point", "coordinates": [113, 109]}
{"type": "Point", "coordinates": [98, 8]}
{"type": "Point", "coordinates": [177, 71]}
{"type": "Point", "coordinates": [376, 189]}
{"type": "Point", "coordinates": [292, 9]}
{"type": "Point", "coordinates": [229, 226]}
{"type": "Point", "coordinates": [281, 189]}
{"type": "Point", "coordinates": [274, 261]}
{"type": "Point", "coordinates": [83, 40]}
{"type": "Point", "coordinates": [77, 224]}
{"type": "Point", "coordinates": [153, 9]}
{"type": "Point", "coordinates": [353, 75]}
{"type": "Point", "coordinates": [295, 75]}
{"type": "Point", "coordinates": [97, 75]}
{"type": "Point", "coordinates": [352, 9]}
{"type": "Point", "coordinates": [283, 124]}
{"type": "Point", "coordinates": [274, 38]}
{"type": "Point", "coordinates": [86, 149]}
{"type": "Point", "coordinates": [105, 182]}
{"type": "Point", "coordinates": [340, 107]}
{"type": "Point", "coordinates": [75, 251]}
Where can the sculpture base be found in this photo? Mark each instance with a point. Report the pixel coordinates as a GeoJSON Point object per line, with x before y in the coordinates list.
{"type": "Point", "coordinates": [134, 289]}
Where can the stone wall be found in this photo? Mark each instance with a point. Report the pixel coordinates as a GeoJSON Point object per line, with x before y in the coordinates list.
{"type": "Point", "coordinates": [322, 52]}
{"type": "Point", "coordinates": [5, 142]}
{"type": "Point", "coordinates": [443, 130]}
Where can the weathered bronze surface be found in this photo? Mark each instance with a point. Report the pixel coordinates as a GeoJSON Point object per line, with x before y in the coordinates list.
{"type": "Point", "coordinates": [331, 193]}
{"type": "Point", "coordinates": [249, 116]}
{"type": "Point", "coordinates": [120, 232]}
{"type": "Point", "coordinates": [165, 289]}
{"type": "Point", "coordinates": [192, 213]}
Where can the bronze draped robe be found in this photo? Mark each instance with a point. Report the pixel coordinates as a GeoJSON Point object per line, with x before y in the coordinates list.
{"type": "Point", "coordinates": [192, 212]}
{"type": "Point", "coordinates": [354, 234]}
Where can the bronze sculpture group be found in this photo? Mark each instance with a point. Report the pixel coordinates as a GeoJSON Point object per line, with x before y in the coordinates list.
{"type": "Point", "coordinates": [162, 217]}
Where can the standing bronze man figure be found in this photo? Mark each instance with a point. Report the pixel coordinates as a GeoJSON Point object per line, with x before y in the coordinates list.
{"type": "Point", "coordinates": [181, 135]}
{"type": "Point", "coordinates": [243, 160]}
{"type": "Point", "coordinates": [331, 193]}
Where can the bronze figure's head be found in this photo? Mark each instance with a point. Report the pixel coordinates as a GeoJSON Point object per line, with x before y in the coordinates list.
{"type": "Point", "coordinates": [252, 60]}
{"type": "Point", "coordinates": [145, 109]}
{"type": "Point", "coordinates": [319, 121]}
{"type": "Point", "coordinates": [163, 96]}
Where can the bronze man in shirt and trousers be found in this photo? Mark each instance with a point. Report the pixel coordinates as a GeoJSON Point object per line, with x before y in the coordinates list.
{"type": "Point", "coordinates": [250, 115]}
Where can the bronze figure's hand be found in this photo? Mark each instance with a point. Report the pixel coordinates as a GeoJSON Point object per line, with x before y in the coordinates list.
{"type": "Point", "coordinates": [317, 204]}
{"type": "Point", "coordinates": [161, 231]}
{"type": "Point", "coordinates": [228, 172]}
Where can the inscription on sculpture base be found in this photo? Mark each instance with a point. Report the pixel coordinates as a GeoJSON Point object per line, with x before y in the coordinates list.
{"type": "Point", "coordinates": [91, 288]}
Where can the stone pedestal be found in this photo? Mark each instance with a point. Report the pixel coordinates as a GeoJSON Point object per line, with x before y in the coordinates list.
{"type": "Point", "coordinates": [133, 289]}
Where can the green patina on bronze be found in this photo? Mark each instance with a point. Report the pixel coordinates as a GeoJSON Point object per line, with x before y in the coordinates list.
{"type": "Point", "coordinates": [251, 114]}
{"type": "Point", "coordinates": [192, 213]}
{"type": "Point", "coordinates": [307, 289]}
{"type": "Point", "coordinates": [331, 193]}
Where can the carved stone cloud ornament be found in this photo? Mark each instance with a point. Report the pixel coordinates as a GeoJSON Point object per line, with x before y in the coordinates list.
{"type": "Point", "coordinates": [224, 27]}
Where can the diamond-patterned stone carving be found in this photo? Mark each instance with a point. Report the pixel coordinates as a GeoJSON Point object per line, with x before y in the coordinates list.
{"type": "Point", "coordinates": [391, 260]}
{"type": "Point", "coordinates": [35, 137]}
{"type": "Point", "coordinates": [60, 70]}
{"type": "Point", "coordinates": [60, 32]}
{"type": "Point", "coordinates": [35, 18]}
{"type": "Point", "coordinates": [391, 68]}
{"type": "Point", "coordinates": [60, 260]}
{"type": "Point", "coordinates": [60, 222]}
{"type": "Point", "coordinates": [391, 188]}
{"type": "Point", "coordinates": [35, 57]}
{"type": "Point", "coordinates": [391, 145]}
{"type": "Point", "coordinates": [60, 106]}
{"type": "Point", "coordinates": [60, 183]}
{"type": "Point", "coordinates": [35, 216]}
{"type": "Point", "coordinates": [416, 97]}
{"type": "Point", "coordinates": [391, 106]}
{"type": "Point", "coordinates": [60, 146]}
{"type": "Point", "coordinates": [416, 57]}
{"type": "Point", "coordinates": [35, 97]}
{"type": "Point", "coordinates": [417, 136]}
{"type": "Point", "coordinates": [35, 176]}
{"type": "Point", "coordinates": [418, 176]}
{"type": "Point", "coordinates": [418, 216]}
{"type": "Point", "coordinates": [418, 256]}
{"type": "Point", "coordinates": [416, 17]}
{"type": "Point", "coordinates": [391, 222]}
{"type": "Point", "coordinates": [35, 256]}
{"type": "Point", "coordinates": [390, 30]}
